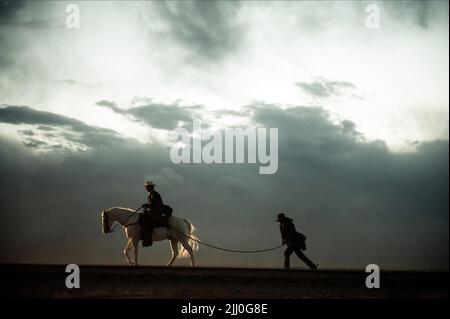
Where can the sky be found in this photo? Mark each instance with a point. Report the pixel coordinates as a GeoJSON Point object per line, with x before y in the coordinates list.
{"type": "Point", "coordinates": [86, 116]}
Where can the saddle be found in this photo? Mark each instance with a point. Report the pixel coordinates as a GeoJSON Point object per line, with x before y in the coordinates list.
{"type": "Point", "coordinates": [167, 210]}
{"type": "Point", "coordinates": [149, 221]}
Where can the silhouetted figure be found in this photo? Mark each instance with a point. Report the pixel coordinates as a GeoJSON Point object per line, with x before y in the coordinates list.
{"type": "Point", "coordinates": [294, 240]}
{"type": "Point", "coordinates": [153, 214]}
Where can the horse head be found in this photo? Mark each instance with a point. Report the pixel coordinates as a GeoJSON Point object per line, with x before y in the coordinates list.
{"type": "Point", "coordinates": [106, 226]}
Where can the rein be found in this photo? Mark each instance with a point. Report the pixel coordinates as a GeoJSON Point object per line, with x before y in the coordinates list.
{"type": "Point", "coordinates": [113, 229]}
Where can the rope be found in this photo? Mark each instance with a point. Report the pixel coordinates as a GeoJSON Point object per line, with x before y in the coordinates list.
{"type": "Point", "coordinates": [206, 244]}
{"type": "Point", "coordinates": [229, 250]}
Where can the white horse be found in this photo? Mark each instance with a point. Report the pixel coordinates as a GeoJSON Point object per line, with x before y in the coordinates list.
{"type": "Point", "coordinates": [179, 232]}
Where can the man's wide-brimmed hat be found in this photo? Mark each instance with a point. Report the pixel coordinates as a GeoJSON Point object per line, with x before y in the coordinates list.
{"type": "Point", "coordinates": [281, 217]}
{"type": "Point", "coordinates": [149, 184]}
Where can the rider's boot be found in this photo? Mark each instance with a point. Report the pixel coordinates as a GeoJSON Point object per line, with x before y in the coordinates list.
{"type": "Point", "coordinates": [148, 238]}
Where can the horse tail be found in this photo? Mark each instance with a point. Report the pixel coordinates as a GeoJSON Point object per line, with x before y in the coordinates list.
{"type": "Point", "coordinates": [192, 239]}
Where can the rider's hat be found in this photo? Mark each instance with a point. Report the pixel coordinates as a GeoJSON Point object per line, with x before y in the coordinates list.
{"type": "Point", "coordinates": [149, 184]}
{"type": "Point", "coordinates": [281, 217]}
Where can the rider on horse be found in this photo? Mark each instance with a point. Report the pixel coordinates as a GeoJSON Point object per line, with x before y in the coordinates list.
{"type": "Point", "coordinates": [154, 214]}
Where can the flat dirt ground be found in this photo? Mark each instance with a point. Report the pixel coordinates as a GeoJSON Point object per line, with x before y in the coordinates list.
{"type": "Point", "coordinates": [48, 281]}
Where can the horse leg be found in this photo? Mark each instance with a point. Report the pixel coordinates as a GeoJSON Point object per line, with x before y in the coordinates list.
{"type": "Point", "coordinates": [174, 246]}
{"type": "Point", "coordinates": [188, 248]}
{"type": "Point", "coordinates": [125, 251]}
{"type": "Point", "coordinates": [135, 244]}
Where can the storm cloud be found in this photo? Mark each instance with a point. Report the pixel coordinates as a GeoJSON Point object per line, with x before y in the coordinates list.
{"type": "Point", "coordinates": [10, 16]}
{"type": "Point", "coordinates": [209, 30]}
{"type": "Point", "coordinates": [157, 115]}
{"type": "Point", "coordinates": [340, 189]}
{"type": "Point", "coordinates": [421, 13]}
{"type": "Point", "coordinates": [67, 133]}
{"type": "Point", "coordinates": [324, 88]}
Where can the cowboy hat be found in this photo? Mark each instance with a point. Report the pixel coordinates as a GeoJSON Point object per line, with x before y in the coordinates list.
{"type": "Point", "coordinates": [149, 184]}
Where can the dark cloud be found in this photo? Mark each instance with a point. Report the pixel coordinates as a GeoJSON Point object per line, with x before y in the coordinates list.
{"type": "Point", "coordinates": [36, 24]}
{"type": "Point", "coordinates": [348, 127]}
{"type": "Point", "coordinates": [358, 202]}
{"type": "Point", "coordinates": [26, 132]}
{"type": "Point", "coordinates": [34, 143]}
{"type": "Point", "coordinates": [421, 13]}
{"type": "Point", "coordinates": [112, 106]}
{"type": "Point", "coordinates": [45, 128]}
{"type": "Point", "coordinates": [208, 28]}
{"type": "Point", "coordinates": [8, 10]}
{"type": "Point", "coordinates": [339, 150]}
{"type": "Point", "coordinates": [157, 115]}
{"type": "Point", "coordinates": [20, 23]}
{"type": "Point", "coordinates": [13, 114]}
{"type": "Point", "coordinates": [325, 88]}
{"type": "Point", "coordinates": [10, 16]}
{"type": "Point", "coordinates": [74, 131]}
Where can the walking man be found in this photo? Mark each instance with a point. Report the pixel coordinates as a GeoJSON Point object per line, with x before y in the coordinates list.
{"type": "Point", "coordinates": [294, 240]}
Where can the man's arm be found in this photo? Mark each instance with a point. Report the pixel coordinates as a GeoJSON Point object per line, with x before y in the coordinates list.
{"type": "Point", "coordinates": [283, 235]}
{"type": "Point", "coordinates": [290, 230]}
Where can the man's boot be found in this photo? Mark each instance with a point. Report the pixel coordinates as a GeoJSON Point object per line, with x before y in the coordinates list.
{"type": "Point", "coordinates": [147, 235]}
{"type": "Point", "coordinates": [305, 259]}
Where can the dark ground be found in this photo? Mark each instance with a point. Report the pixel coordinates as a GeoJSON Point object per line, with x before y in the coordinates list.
{"type": "Point", "coordinates": [48, 281]}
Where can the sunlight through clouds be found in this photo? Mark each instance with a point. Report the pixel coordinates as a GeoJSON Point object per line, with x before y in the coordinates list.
{"type": "Point", "coordinates": [253, 51]}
